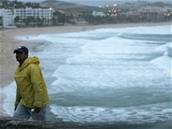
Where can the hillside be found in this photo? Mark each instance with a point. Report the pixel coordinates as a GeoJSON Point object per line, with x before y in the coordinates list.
{"type": "Point", "coordinates": [105, 2]}
{"type": "Point", "coordinates": [67, 7]}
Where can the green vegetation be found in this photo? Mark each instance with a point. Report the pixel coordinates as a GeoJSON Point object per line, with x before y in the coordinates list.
{"type": "Point", "coordinates": [126, 12]}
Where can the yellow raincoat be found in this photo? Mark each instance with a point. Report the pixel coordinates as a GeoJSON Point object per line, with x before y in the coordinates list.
{"type": "Point", "coordinates": [31, 88]}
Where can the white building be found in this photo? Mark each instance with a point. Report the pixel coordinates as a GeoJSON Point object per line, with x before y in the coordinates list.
{"type": "Point", "coordinates": [23, 13]}
{"type": "Point", "coordinates": [101, 14]}
{"type": "Point", "coordinates": [7, 18]}
{"type": "Point", "coordinates": [150, 9]}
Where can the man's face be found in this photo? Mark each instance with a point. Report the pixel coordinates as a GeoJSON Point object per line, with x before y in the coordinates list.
{"type": "Point", "coordinates": [20, 57]}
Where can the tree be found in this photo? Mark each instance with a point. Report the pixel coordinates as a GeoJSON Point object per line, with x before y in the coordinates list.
{"type": "Point", "coordinates": [58, 18]}
{"type": "Point", "coordinates": [16, 19]}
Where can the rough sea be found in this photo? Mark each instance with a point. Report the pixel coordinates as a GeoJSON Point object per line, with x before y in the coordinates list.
{"type": "Point", "coordinates": [106, 75]}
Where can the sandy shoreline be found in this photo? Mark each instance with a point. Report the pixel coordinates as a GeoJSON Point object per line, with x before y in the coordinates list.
{"type": "Point", "coordinates": [8, 43]}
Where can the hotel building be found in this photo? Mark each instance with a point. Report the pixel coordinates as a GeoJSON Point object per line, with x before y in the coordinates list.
{"type": "Point", "coordinates": [41, 13]}
{"type": "Point", "coordinates": [6, 18]}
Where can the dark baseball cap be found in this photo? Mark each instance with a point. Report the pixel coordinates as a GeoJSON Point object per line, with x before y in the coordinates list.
{"type": "Point", "coordinates": [21, 49]}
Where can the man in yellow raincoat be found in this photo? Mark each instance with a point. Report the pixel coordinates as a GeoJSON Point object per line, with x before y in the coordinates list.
{"type": "Point", "coordinates": [31, 93]}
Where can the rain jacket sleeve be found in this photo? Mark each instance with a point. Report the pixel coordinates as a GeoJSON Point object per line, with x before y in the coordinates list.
{"type": "Point", "coordinates": [38, 85]}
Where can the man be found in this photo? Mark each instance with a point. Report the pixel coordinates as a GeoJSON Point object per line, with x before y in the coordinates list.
{"type": "Point", "coordinates": [31, 93]}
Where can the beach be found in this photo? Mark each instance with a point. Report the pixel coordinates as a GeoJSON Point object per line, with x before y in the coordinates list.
{"type": "Point", "coordinates": [8, 43]}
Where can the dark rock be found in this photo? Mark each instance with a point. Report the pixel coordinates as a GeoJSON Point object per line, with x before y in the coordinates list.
{"type": "Point", "coordinates": [11, 123]}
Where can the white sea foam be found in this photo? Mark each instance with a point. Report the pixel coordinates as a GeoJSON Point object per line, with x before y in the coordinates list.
{"type": "Point", "coordinates": [99, 60]}
{"type": "Point", "coordinates": [9, 94]}
{"type": "Point", "coordinates": [125, 114]}
{"type": "Point", "coordinates": [165, 29]}
{"type": "Point", "coordinates": [165, 61]}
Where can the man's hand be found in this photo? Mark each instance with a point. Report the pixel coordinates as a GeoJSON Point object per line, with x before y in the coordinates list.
{"type": "Point", "coordinates": [37, 110]}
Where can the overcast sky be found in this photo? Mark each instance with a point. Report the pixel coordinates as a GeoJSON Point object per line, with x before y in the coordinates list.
{"type": "Point", "coordinates": [90, 0]}
{"type": "Point", "coordinates": [94, 2]}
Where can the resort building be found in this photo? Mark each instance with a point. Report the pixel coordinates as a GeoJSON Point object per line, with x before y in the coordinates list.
{"type": "Point", "coordinates": [6, 18]}
{"type": "Point", "coordinates": [34, 15]}
{"type": "Point", "coordinates": [25, 16]}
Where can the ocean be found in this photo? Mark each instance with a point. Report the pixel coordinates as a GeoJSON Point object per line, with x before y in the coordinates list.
{"type": "Point", "coordinates": [106, 75]}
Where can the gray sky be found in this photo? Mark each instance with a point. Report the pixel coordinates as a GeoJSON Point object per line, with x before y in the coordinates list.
{"type": "Point", "coordinates": [87, 0]}
{"type": "Point", "coordinates": [94, 2]}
